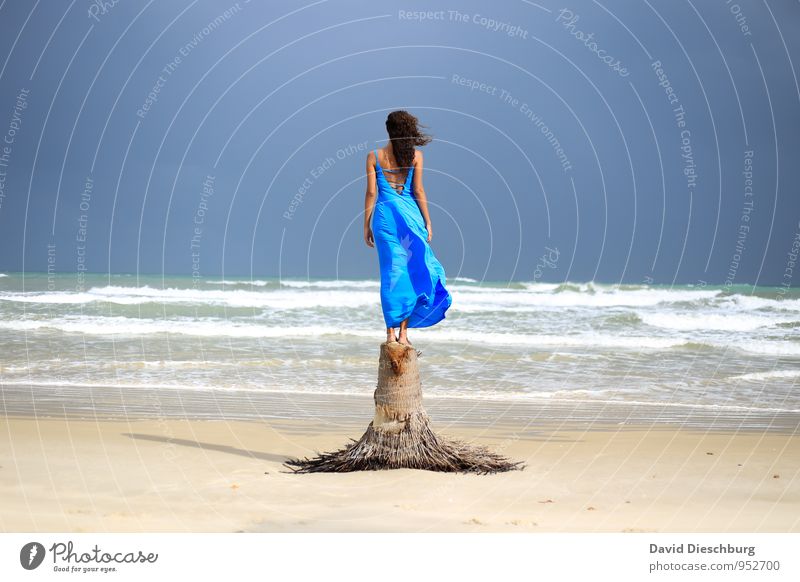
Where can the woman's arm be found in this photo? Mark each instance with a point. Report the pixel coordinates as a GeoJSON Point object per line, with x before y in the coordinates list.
{"type": "Point", "coordinates": [419, 193]}
{"type": "Point", "coordinates": [369, 199]}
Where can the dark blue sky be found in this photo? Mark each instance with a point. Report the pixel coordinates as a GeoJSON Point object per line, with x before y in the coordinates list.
{"type": "Point", "coordinates": [650, 141]}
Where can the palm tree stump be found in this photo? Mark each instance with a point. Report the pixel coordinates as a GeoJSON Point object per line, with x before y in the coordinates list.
{"type": "Point", "coordinates": [400, 435]}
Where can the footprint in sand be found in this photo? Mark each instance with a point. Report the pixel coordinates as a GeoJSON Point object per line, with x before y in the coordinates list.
{"type": "Point", "coordinates": [475, 521]}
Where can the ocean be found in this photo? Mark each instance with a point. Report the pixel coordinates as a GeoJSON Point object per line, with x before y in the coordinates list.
{"type": "Point", "coordinates": [71, 342]}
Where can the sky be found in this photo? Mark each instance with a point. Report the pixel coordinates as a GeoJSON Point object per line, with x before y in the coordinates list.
{"type": "Point", "coordinates": [617, 142]}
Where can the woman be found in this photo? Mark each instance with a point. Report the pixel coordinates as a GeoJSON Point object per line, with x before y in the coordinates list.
{"type": "Point", "coordinates": [396, 221]}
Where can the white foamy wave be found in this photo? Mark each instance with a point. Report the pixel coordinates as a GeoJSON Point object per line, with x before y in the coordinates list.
{"type": "Point", "coordinates": [499, 299]}
{"type": "Point", "coordinates": [298, 284]}
{"type": "Point", "coordinates": [206, 328]}
{"type": "Point", "coordinates": [588, 287]}
{"type": "Point", "coordinates": [464, 280]}
{"type": "Point", "coordinates": [224, 328]}
{"type": "Point", "coordinates": [314, 294]}
{"type": "Point", "coordinates": [278, 299]}
{"type": "Point", "coordinates": [474, 290]}
{"type": "Point", "coordinates": [771, 375]}
{"type": "Point", "coordinates": [342, 283]}
{"type": "Point", "coordinates": [590, 340]}
{"type": "Point", "coordinates": [54, 297]}
{"type": "Point", "coordinates": [764, 347]}
{"type": "Point", "coordinates": [710, 321]}
{"type": "Point", "coordinates": [541, 287]}
{"type": "Point", "coordinates": [13, 369]}
{"type": "Point", "coordinates": [254, 283]}
{"type": "Point", "coordinates": [3, 275]}
{"type": "Point", "coordinates": [750, 302]}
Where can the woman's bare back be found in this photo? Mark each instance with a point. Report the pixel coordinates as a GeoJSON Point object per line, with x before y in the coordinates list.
{"type": "Point", "coordinates": [396, 176]}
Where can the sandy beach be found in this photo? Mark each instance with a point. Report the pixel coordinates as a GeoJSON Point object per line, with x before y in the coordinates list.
{"type": "Point", "coordinates": [227, 476]}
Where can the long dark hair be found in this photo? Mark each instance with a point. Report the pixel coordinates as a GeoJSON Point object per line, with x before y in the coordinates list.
{"type": "Point", "coordinates": [404, 134]}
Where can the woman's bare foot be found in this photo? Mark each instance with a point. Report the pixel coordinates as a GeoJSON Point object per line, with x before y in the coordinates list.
{"type": "Point", "coordinates": [390, 337]}
{"type": "Point", "coordinates": [403, 331]}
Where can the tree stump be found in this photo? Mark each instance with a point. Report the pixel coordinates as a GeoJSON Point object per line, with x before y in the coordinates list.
{"type": "Point", "coordinates": [399, 436]}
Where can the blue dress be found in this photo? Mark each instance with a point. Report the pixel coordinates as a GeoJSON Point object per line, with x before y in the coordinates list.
{"type": "Point", "coordinates": [412, 279]}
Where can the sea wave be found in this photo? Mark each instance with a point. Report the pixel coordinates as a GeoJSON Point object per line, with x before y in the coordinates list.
{"type": "Point", "coordinates": [253, 283]}
{"type": "Point", "coordinates": [541, 287]}
{"type": "Point", "coordinates": [279, 299]}
{"type": "Point", "coordinates": [512, 299]}
{"type": "Point", "coordinates": [575, 287]}
{"type": "Point", "coordinates": [214, 327]}
{"type": "Point", "coordinates": [764, 347]}
{"type": "Point", "coordinates": [338, 284]}
{"type": "Point", "coordinates": [102, 326]}
{"type": "Point", "coordinates": [711, 321]}
{"type": "Point", "coordinates": [312, 294]}
{"type": "Point", "coordinates": [98, 325]}
{"type": "Point", "coordinates": [771, 375]}
{"type": "Point", "coordinates": [753, 302]}
{"type": "Point", "coordinates": [586, 340]}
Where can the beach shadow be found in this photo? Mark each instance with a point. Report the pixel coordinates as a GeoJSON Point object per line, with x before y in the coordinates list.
{"type": "Point", "coordinates": [209, 447]}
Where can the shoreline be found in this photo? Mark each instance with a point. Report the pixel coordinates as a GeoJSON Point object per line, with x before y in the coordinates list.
{"type": "Point", "coordinates": [108, 402]}
{"type": "Point", "coordinates": [219, 475]}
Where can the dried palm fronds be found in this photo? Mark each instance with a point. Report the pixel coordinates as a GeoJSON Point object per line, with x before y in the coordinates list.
{"type": "Point", "coordinates": [400, 435]}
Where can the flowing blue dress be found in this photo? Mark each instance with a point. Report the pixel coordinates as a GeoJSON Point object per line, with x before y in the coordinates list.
{"type": "Point", "coordinates": [412, 279]}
